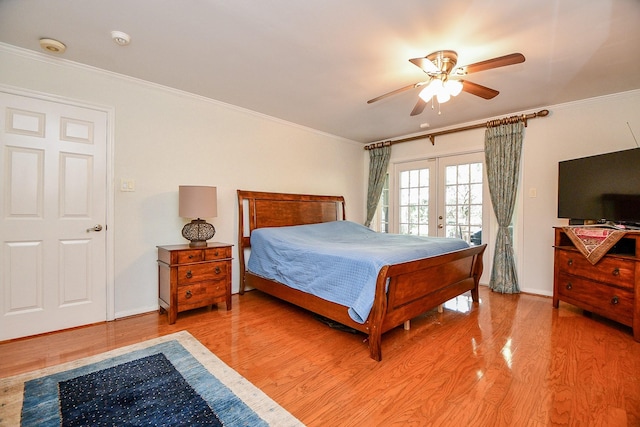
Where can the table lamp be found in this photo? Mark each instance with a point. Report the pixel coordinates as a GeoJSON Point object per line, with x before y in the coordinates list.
{"type": "Point", "coordinates": [198, 202]}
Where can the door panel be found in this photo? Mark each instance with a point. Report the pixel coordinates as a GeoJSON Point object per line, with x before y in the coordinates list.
{"type": "Point", "coordinates": [54, 190]}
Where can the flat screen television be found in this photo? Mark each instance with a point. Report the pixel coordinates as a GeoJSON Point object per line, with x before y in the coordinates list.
{"type": "Point", "coordinates": [604, 188]}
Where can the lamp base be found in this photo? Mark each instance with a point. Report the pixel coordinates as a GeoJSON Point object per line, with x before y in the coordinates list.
{"type": "Point", "coordinates": [198, 232]}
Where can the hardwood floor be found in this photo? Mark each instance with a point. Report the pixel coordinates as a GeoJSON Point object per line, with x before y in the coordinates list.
{"type": "Point", "coordinates": [511, 361]}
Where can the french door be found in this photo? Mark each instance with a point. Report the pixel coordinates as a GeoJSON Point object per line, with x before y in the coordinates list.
{"type": "Point", "coordinates": [443, 197]}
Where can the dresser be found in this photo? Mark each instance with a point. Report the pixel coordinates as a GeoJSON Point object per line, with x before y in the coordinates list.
{"type": "Point", "coordinates": [610, 288]}
{"type": "Point", "coordinates": [191, 278]}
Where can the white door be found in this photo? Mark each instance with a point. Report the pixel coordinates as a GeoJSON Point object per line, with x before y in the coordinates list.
{"type": "Point", "coordinates": [415, 198]}
{"type": "Point", "coordinates": [441, 197]}
{"type": "Point", "coordinates": [53, 202]}
{"type": "Point", "coordinates": [461, 210]}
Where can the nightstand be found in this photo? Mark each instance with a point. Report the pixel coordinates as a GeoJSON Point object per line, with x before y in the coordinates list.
{"type": "Point", "coordinates": [191, 278]}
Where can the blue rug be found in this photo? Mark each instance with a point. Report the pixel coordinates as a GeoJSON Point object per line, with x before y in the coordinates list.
{"type": "Point", "coordinates": [169, 381]}
{"type": "Point", "coordinates": [148, 390]}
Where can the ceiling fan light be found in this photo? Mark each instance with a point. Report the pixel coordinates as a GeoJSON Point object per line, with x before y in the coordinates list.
{"type": "Point", "coordinates": [443, 96]}
{"type": "Point", "coordinates": [454, 87]}
{"type": "Point", "coordinates": [430, 90]}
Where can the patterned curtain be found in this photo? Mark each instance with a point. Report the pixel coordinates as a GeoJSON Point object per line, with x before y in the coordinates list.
{"type": "Point", "coordinates": [503, 149]}
{"type": "Point", "coordinates": [378, 164]}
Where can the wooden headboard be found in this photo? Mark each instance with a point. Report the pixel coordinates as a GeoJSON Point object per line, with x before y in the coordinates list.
{"type": "Point", "coordinates": [258, 209]}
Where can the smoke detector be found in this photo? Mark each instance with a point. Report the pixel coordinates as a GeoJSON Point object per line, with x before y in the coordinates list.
{"type": "Point", "coordinates": [51, 45]}
{"type": "Point", "coordinates": [121, 38]}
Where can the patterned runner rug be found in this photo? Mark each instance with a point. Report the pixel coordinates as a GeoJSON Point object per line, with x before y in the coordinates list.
{"type": "Point", "coordinates": [168, 381]}
{"type": "Point", "coordinates": [593, 242]}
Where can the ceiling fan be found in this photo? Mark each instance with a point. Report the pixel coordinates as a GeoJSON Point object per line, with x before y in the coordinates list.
{"type": "Point", "coordinates": [445, 78]}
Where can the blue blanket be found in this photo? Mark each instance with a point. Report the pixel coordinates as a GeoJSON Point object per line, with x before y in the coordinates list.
{"type": "Point", "coordinates": [338, 261]}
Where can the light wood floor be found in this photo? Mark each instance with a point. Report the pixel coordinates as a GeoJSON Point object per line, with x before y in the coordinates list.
{"type": "Point", "coordinates": [511, 361]}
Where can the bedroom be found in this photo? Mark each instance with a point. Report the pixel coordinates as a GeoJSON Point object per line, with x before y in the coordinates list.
{"type": "Point", "coordinates": [164, 138]}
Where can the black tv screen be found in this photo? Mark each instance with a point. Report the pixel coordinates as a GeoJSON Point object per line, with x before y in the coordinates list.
{"type": "Point", "coordinates": [604, 188]}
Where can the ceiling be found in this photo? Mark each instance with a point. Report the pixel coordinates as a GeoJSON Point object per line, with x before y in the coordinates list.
{"type": "Point", "coordinates": [316, 63]}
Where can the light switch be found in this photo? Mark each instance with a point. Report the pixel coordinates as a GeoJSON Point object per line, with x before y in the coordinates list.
{"type": "Point", "coordinates": [127, 184]}
{"type": "Point", "coordinates": [533, 193]}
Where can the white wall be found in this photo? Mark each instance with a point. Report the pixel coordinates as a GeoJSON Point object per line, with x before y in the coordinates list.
{"type": "Point", "coordinates": [572, 130]}
{"type": "Point", "coordinates": [164, 138]}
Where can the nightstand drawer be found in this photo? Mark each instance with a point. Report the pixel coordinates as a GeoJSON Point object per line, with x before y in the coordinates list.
{"type": "Point", "coordinates": [185, 257]}
{"type": "Point", "coordinates": [212, 254]}
{"type": "Point", "coordinates": [201, 294]}
{"type": "Point", "coordinates": [616, 271]}
{"type": "Point", "coordinates": [201, 272]}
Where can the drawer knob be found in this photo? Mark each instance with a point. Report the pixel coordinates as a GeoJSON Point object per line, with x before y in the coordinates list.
{"type": "Point", "coordinates": [616, 271]}
{"type": "Point", "coordinates": [217, 270]}
{"type": "Point", "coordinates": [215, 253]}
{"type": "Point", "coordinates": [188, 295]}
{"type": "Point", "coordinates": [615, 300]}
{"type": "Point", "coordinates": [569, 286]}
{"type": "Point", "coordinates": [570, 262]}
{"type": "Point", "coordinates": [189, 274]}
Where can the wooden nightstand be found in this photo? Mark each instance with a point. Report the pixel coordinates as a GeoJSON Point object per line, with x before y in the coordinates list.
{"type": "Point", "coordinates": [190, 278]}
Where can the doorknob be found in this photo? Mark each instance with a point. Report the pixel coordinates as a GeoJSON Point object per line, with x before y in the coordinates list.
{"type": "Point", "coordinates": [96, 227]}
{"type": "Point", "coordinates": [440, 226]}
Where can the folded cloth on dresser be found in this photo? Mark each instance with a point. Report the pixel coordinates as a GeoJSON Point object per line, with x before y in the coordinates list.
{"type": "Point", "coordinates": [593, 242]}
{"type": "Point", "coordinates": [338, 261]}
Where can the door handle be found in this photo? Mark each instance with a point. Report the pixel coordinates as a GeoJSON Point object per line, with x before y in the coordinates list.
{"type": "Point", "coordinates": [96, 227]}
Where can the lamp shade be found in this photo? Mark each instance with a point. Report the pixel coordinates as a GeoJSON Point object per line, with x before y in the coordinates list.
{"type": "Point", "coordinates": [197, 201]}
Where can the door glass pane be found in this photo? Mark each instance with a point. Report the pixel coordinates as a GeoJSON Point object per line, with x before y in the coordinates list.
{"type": "Point", "coordinates": [414, 202]}
{"type": "Point", "coordinates": [463, 202]}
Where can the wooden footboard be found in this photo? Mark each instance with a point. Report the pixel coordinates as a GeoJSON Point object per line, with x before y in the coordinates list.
{"type": "Point", "coordinates": [403, 291]}
{"type": "Point", "coordinates": [418, 286]}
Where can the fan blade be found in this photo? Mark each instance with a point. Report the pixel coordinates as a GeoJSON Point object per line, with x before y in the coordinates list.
{"type": "Point", "coordinates": [402, 89]}
{"type": "Point", "coordinates": [419, 108]}
{"type": "Point", "coordinates": [425, 65]}
{"type": "Point", "coordinates": [478, 90]}
{"type": "Point", "coordinates": [501, 61]}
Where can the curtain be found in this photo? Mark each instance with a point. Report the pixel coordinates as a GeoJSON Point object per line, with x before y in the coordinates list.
{"type": "Point", "coordinates": [503, 149]}
{"type": "Point", "coordinates": [378, 164]}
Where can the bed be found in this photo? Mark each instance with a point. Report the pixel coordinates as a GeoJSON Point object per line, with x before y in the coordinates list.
{"type": "Point", "coordinates": [401, 291]}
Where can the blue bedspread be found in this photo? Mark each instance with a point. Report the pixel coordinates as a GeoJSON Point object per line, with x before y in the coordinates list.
{"type": "Point", "coordinates": [338, 261]}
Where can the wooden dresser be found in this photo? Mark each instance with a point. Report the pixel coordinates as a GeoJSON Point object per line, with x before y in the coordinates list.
{"type": "Point", "coordinates": [191, 278]}
{"type": "Point", "coordinates": [610, 288]}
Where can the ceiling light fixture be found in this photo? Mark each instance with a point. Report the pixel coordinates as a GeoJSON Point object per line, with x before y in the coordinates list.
{"type": "Point", "coordinates": [121, 38]}
{"type": "Point", "coordinates": [443, 91]}
{"type": "Point", "coordinates": [51, 45]}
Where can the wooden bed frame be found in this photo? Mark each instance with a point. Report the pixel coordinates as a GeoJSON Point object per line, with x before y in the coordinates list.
{"type": "Point", "coordinates": [413, 287]}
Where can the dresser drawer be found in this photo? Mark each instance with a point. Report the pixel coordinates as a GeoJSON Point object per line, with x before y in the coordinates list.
{"type": "Point", "coordinates": [202, 272]}
{"type": "Point", "coordinates": [616, 271]}
{"type": "Point", "coordinates": [201, 294]}
{"type": "Point", "coordinates": [614, 303]}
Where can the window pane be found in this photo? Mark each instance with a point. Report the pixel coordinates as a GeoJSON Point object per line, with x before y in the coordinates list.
{"type": "Point", "coordinates": [450, 175]}
{"type": "Point", "coordinates": [476, 173]}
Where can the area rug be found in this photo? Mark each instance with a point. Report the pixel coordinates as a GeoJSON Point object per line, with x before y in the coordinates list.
{"type": "Point", "coordinates": [168, 381]}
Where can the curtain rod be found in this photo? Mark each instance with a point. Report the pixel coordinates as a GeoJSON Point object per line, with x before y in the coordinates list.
{"type": "Point", "coordinates": [491, 123]}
